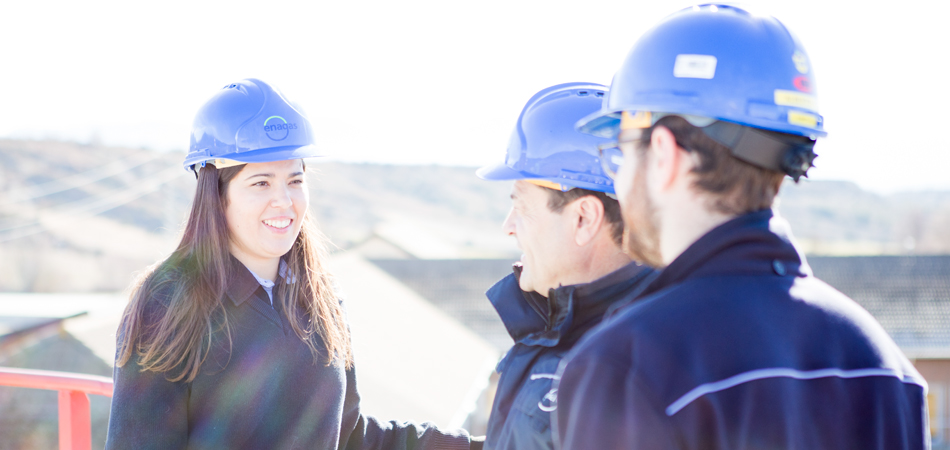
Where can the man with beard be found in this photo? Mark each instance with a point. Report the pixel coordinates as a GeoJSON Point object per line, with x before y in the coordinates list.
{"type": "Point", "coordinates": [735, 345]}
{"type": "Point", "coordinates": [572, 270]}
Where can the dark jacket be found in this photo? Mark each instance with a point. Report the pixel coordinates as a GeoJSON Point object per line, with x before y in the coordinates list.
{"type": "Point", "coordinates": [267, 392]}
{"type": "Point", "coordinates": [737, 346]}
{"type": "Point", "coordinates": [544, 329]}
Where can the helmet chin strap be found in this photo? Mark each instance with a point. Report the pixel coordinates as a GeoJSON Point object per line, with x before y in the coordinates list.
{"type": "Point", "coordinates": [781, 152]}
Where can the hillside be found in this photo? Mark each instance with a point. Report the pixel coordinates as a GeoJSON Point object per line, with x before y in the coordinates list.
{"type": "Point", "coordinates": [85, 218]}
{"type": "Point", "coordinates": [839, 218]}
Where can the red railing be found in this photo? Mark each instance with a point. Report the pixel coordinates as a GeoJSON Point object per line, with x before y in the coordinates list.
{"type": "Point", "coordinates": [75, 427]}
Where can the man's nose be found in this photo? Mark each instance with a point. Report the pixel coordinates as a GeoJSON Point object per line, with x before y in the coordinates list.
{"type": "Point", "coordinates": [509, 225]}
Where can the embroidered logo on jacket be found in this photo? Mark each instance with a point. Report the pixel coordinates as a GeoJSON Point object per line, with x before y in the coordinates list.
{"type": "Point", "coordinates": [548, 403]}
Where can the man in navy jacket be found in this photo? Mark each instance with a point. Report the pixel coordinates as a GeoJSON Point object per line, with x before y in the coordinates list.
{"type": "Point", "coordinates": [735, 345]}
{"type": "Point", "coordinates": [572, 270]}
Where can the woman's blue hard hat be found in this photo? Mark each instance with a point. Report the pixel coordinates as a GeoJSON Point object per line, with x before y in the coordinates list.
{"type": "Point", "coordinates": [249, 122]}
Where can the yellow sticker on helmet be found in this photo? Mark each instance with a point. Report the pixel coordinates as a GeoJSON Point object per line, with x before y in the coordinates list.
{"type": "Point", "coordinates": [802, 119]}
{"type": "Point", "coordinates": [549, 185]}
{"type": "Point", "coordinates": [796, 99]}
{"type": "Point", "coordinates": [639, 119]}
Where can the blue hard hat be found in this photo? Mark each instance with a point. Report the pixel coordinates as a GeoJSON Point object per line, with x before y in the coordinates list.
{"type": "Point", "coordinates": [249, 122]}
{"type": "Point", "coordinates": [716, 62]}
{"type": "Point", "coordinates": [545, 146]}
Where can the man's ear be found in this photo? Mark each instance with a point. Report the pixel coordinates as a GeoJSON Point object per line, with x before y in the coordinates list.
{"type": "Point", "coordinates": [669, 162]}
{"type": "Point", "coordinates": [589, 213]}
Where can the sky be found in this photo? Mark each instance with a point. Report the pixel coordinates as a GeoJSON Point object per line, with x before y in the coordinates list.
{"type": "Point", "coordinates": [442, 82]}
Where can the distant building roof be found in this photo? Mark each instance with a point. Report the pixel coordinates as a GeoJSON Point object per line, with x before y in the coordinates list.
{"type": "Point", "coordinates": [90, 318]}
{"type": "Point", "coordinates": [457, 286]}
{"type": "Point", "coordinates": [376, 246]}
{"type": "Point", "coordinates": [908, 295]}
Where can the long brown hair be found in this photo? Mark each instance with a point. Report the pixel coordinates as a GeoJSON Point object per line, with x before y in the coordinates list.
{"type": "Point", "coordinates": [176, 307]}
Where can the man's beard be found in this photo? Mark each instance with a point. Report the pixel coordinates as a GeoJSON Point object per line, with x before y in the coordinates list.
{"type": "Point", "coordinates": [641, 232]}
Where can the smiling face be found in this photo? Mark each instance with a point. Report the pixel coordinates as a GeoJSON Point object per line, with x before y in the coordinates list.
{"type": "Point", "coordinates": [543, 236]}
{"type": "Point", "coordinates": [266, 204]}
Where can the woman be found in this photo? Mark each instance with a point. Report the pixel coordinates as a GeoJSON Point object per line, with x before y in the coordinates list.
{"type": "Point", "coordinates": [237, 339]}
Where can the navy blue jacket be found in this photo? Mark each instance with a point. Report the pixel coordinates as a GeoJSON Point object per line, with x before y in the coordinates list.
{"type": "Point", "coordinates": [544, 330]}
{"type": "Point", "coordinates": [737, 346]}
{"type": "Point", "coordinates": [264, 391]}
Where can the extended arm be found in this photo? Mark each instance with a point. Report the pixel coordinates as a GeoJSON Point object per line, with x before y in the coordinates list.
{"type": "Point", "coordinates": [361, 432]}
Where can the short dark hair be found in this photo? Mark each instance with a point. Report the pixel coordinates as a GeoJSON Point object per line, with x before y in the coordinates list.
{"type": "Point", "coordinates": [737, 186]}
{"type": "Point", "coordinates": [557, 200]}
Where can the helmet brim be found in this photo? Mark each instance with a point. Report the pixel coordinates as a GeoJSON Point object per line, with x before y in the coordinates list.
{"type": "Point", "coordinates": [263, 155]}
{"type": "Point", "coordinates": [276, 154]}
{"type": "Point", "coordinates": [501, 171]}
{"type": "Point", "coordinates": [605, 124]}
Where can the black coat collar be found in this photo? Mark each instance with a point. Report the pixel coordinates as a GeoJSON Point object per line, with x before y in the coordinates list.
{"type": "Point", "coordinates": [532, 319]}
{"type": "Point", "coordinates": [751, 244]}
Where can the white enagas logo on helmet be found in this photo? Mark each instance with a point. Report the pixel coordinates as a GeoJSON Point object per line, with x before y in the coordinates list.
{"type": "Point", "coordinates": [277, 128]}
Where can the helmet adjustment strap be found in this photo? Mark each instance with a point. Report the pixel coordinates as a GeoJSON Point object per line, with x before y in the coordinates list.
{"type": "Point", "coordinates": [218, 163]}
{"type": "Point", "coordinates": [560, 187]}
{"type": "Point", "coordinates": [788, 154]}
{"type": "Point", "coordinates": [549, 184]}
